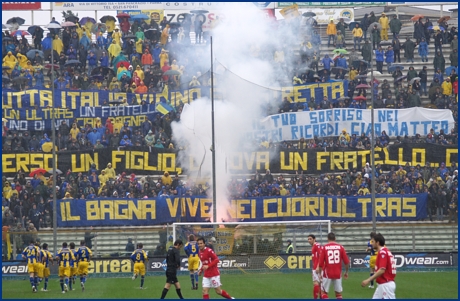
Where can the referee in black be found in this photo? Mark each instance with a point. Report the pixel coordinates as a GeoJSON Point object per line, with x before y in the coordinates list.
{"type": "Point", "coordinates": [172, 265]}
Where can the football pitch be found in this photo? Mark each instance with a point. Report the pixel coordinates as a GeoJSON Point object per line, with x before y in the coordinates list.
{"type": "Point", "coordinates": [409, 285]}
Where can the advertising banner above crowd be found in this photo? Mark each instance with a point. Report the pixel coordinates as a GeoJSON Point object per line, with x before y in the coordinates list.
{"type": "Point", "coordinates": [163, 210]}
{"type": "Point", "coordinates": [155, 161]}
{"type": "Point", "coordinates": [106, 6]}
{"type": "Point", "coordinates": [323, 15]}
{"type": "Point", "coordinates": [329, 4]}
{"type": "Point", "coordinates": [21, 5]}
{"type": "Point", "coordinates": [331, 122]}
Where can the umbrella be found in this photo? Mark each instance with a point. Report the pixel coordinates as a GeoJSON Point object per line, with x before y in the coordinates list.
{"type": "Point", "coordinates": [85, 20]}
{"type": "Point", "coordinates": [436, 27]}
{"type": "Point", "coordinates": [352, 25]}
{"type": "Point", "coordinates": [375, 23]}
{"type": "Point", "coordinates": [360, 98]}
{"type": "Point", "coordinates": [35, 29]}
{"type": "Point", "coordinates": [6, 68]}
{"type": "Point", "coordinates": [129, 36]}
{"type": "Point", "coordinates": [417, 17]}
{"type": "Point", "coordinates": [375, 73]}
{"type": "Point", "coordinates": [309, 14]}
{"type": "Point", "coordinates": [73, 19]}
{"type": "Point", "coordinates": [21, 33]}
{"type": "Point", "coordinates": [72, 62]}
{"type": "Point", "coordinates": [31, 53]}
{"type": "Point", "coordinates": [172, 72]}
{"type": "Point", "coordinates": [140, 17]}
{"type": "Point", "coordinates": [442, 19]}
{"type": "Point", "coordinates": [128, 74]}
{"type": "Point", "coordinates": [53, 26]}
{"type": "Point", "coordinates": [123, 63]}
{"type": "Point", "coordinates": [199, 11]}
{"type": "Point", "coordinates": [400, 78]}
{"type": "Point", "coordinates": [414, 79]}
{"type": "Point", "coordinates": [361, 76]}
{"type": "Point", "coordinates": [67, 24]}
{"type": "Point", "coordinates": [362, 86]}
{"type": "Point", "coordinates": [107, 18]}
{"type": "Point", "coordinates": [123, 15]}
{"type": "Point", "coordinates": [393, 68]}
{"type": "Point", "coordinates": [49, 66]}
{"type": "Point", "coordinates": [20, 80]}
{"type": "Point", "coordinates": [98, 77]}
{"type": "Point", "coordinates": [6, 26]}
{"type": "Point", "coordinates": [5, 79]}
{"type": "Point", "coordinates": [338, 69]}
{"type": "Point", "coordinates": [102, 70]}
{"type": "Point", "coordinates": [341, 51]}
{"type": "Point", "coordinates": [448, 70]}
{"type": "Point", "coordinates": [17, 20]}
{"type": "Point", "coordinates": [37, 171]}
{"type": "Point", "coordinates": [358, 63]}
{"type": "Point", "coordinates": [99, 27]}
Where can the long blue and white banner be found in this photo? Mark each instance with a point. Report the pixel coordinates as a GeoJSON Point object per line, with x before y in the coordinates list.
{"type": "Point", "coordinates": [161, 210]}
{"type": "Point", "coordinates": [331, 122]}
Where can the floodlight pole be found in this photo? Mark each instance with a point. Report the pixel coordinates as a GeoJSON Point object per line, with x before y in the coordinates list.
{"type": "Point", "coordinates": [374, 222]}
{"type": "Point", "coordinates": [213, 144]}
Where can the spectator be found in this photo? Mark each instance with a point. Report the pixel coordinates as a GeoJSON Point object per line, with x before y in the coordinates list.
{"type": "Point", "coordinates": [375, 35]}
{"type": "Point", "coordinates": [409, 48]}
{"type": "Point", "coordinates": [395, 26]}
{"type": "Point", "coordinates": [423, 50]}
{"type": "Point", "coordinates": [385, 23]}
{"type": "Point", "coordinates": [439, 62]}
{"type": "Point", "coordinates": [357, 36]}
{"type": "Point", "coordinates": [331, 32]}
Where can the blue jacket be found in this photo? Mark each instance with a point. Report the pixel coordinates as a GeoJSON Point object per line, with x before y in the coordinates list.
{"type": "Point", "coordinates": [423, 49]}
{"type": "Point", "coordinates": [104, 61]}
{"type": "Point", "coordinates": [40, 79]}
{"type": "Point", "coordinates": [327, 61]}
{"type": "Point", "coordinates": [342, 62]}
{"type": "Point", "coordinates": [379, 55]}
{"type": "Point", "coordinates": [60, 85]}
{"type": "Point", "coordinates": [156, 54]}
{"type": "Point", "coordinates": [389, 54]}
{"type": "Point", "coordinates": [93, 137]}
{"type": "Point", "coordinates": [46, 43]}
{"type": "Point", "coordinates": [92, 60]}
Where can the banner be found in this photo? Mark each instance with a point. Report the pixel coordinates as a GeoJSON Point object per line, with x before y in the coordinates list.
{"type": "Point", "coordinates": [224, 237]}
{"type": "Point", "coordinates": [155, 14]}
{"type": "Point", "coordinates": [21, 5]}
{"type": "Point", "coordinates": [69, 99]}
{"type": "Point", "coordinates": [106, 6]}
{"type": "Point", "coordinates": [162, 210]}
{"type": "Point", "coordinates": [323, 15]}
{"type": "Point", "coordinates": [155, 161]}
{"type": "Point", "coordinates": [158, 264]}
{"type": "Point", "coordinates": [407, 260]}
{"type": "Point", "coordinates": [329, 4]}
{"type": "Point", "coordinates": [331, 122]}
{"type": "Point", "coordinates": [216, 5]}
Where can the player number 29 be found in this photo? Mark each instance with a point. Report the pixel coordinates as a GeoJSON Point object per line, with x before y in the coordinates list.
{"type": "Point", "coordinates": [333, 256]}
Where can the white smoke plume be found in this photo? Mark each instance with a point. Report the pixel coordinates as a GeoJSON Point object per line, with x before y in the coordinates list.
{"type": "Point", "coordinates": [240, 42]}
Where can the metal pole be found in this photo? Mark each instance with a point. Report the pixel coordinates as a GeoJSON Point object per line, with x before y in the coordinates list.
{"type": "Point", "coordinates": [440, 11]}
{"type": "Point", "coordinates": [53, 129]}
{"type": "Point", "coordinates": [374, 222]}
{"type": "Point", "coordinates": [213, 148]}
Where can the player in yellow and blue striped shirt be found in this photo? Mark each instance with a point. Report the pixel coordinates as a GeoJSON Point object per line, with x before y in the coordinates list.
{"type": "Point", "coordinates": [139, 257]}
{"type": "Point", "coordinates": [191, 249]}
{"type": "Point", "coordinates": [83, 257]}
{"type": "Point", "coordinates": [64, 256]}
{"type": "Point", "coordinates": [46, 262]}
{"type": "Point", "coordinates": [31, 254]}
{"type": "Point", "coordinates": [73, 266]}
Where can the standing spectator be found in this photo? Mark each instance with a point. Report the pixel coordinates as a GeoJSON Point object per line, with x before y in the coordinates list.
{"type": "Point", "coordinates": [439, 62]}
{"type": "Point", "coordinates": [331, 259]}
{"type": "Point", "coordinates": [331, 32]}
{"type": "Point", "coordinates": [454, 43]}
{"type": "Point", "coordinates": [395, 26]}
{"type": "Point", "coordinates": [419, 31]}
{"type": "Point", "coordinates": [423, 79]}
{"type": "Point", "coordinates": [341, 26]}
{"type": "Point", "coordinates": [366, 51]}
{"type": "Point", "coordinates": [89, 237]}
{"type": "Point", "coordinates": [385, 23]}
{"type": "Point", "coordinates": [389, 57]}
{"type": "Point", "coordinates": [423, 50]}
{"type": "Point", "coordinates": [327, 61]}
{"type": "Point", "coordinates": [409, 48]}
{"type": "Point", "coordinates": [375, 36]}
{"type": "Point", "coordinates": [438, 41]}
{"type": "Point", "coordinates": [365, 25]}
{"type": "Point", "coordinates": [427, 31]}
{"type": "Point", "coordinates": [396, 48]}
{"type": "Point", "coordinates": [379, 53]}
{"type": "Point", "coordinates": [357, 36]}
{"type": "Point", "coordinates": [129, 248]}
{"type": "Point", "coordinates": [446, 88]}
{"type": "Point", "coordinates": [453, 57]}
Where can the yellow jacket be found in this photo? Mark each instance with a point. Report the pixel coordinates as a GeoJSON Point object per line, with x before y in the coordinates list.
{"type": "Point", "coordinates": [110, 173]}
{"type": "Point", "coordinates": [384, 22]}
{"type": "Point", "coordinates": [446, 88]}
{"type": "Point", "coordinates": [353, 74]}
{"type": "Point", "coordinates": [57, 45]}
{"type": "Point", "coordinates": [331, 29]}
{"type": "Point", "coordinates": [357, 32]}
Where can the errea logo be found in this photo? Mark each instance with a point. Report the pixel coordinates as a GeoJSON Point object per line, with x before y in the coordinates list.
{"type": "Point", "coordinates": [274, 262]}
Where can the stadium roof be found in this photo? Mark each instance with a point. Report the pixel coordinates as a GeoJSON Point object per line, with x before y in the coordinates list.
{"type": "Point", "coordinates": [402, 11]}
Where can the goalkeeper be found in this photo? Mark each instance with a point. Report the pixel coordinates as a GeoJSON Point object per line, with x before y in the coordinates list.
{"type": "Point", "coordinates": [372, 259]}
{"type": "Point", "coordinates": [191, 249]}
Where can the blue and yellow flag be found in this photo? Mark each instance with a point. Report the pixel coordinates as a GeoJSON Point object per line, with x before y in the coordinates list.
{"type": "Point", "coordinates": [164, 108]}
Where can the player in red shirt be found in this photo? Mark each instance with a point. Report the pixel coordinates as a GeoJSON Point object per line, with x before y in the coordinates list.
{"type": "Point", "coordinates": [315, 253]}
{"type": "Point", "coordinates": [385, 270]}
{"type": "Point", "coordinates": [332, 256]}
{"type": "Point", "coordinates": [211, 277]}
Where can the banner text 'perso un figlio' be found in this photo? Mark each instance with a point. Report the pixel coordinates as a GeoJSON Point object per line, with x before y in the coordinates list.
{"type": "Point", "coordinates": [155, 161]}
{"type": "Point", "coordinates": [161, 210]}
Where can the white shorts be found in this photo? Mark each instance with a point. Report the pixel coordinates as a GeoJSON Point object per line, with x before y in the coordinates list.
{"type": "Point", "coordinates": [385, 291]}
{"type": "Point", "coordinates": [337, 284]}
{"type": "Point", "coordinates": [213, 282]}
{"type": "Point", "coordinates": [315, 276]}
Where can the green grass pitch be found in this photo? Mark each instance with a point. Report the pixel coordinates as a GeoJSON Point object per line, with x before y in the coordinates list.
{"type": "Point", "coordinates": [409, 285]}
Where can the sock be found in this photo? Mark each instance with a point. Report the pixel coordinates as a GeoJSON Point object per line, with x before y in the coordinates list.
{"type": "Point", "coordinates": [225, 295]}
{"type": "Point", "coordinates": [62, 284]}
{"type": "Point", "coordinates": [70, 283]}
{"type": "Point", "coordinates": [324, 296]}
{"type": "Point", "coordinates": [142, 281]}
{"type": "Point", "coordinates": [31, 279]}
{"type": "Point", "coordinates": [316, 291]}
{"type": "Point", "coordinates": [163, 293]}
{"type": "Point", "coordinates": [192, 278]}
{"type": "Point", "coordinates": [206, 296]}
{"type": "Point", "coordinates": [66, 281]}
{"type": "Point", "coordinates": [84, 279]}
{"type": "Point", "coordinates": [35, 281]}
{"type": "Point", "coordinates": [46, 283]}
{"type": "Point", "coordinates": [196, 278]}
{"type": "Point", "coordinates": [179, 293]}
{"type": "Point", "coordinates": [81, 279]}
{"type": "Point", "coordinates": [338, 295]}
{"type": "Point", "coordinates": [372, 282]}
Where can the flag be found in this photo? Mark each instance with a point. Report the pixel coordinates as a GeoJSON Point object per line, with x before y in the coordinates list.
{"type": "Point", "coordinates": [290, 12]}
{"type": "Point", "coordinates": [164, 108]}
{"type": "Point", "coordinates": [165, 93]}
{"type": "Point", "coordinates": [8, 245]}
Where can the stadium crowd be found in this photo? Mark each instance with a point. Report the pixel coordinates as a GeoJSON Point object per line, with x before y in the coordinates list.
{"type": "Point", "coordinates": [136, 59]}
